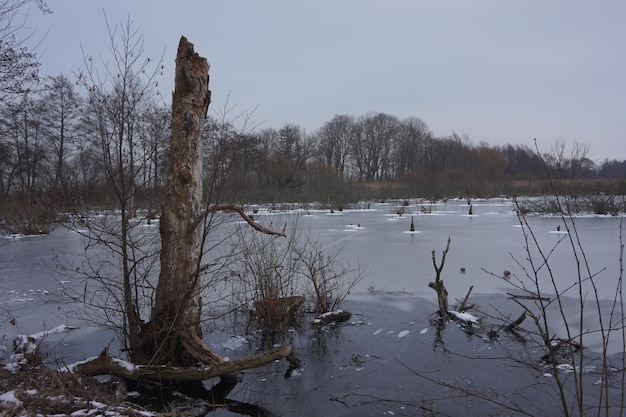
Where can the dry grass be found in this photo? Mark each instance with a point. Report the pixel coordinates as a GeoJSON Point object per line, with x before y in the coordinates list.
{"type": "Point", "coordinates": [43, 391]}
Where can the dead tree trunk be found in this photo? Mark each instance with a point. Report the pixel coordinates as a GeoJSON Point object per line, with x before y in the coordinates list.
{"type": "Point", "coordinates": [175, 317]}
{"type": "Point", "coordinates": [437, 285]}
{"type": "Point", "coordinates": [173, 336]}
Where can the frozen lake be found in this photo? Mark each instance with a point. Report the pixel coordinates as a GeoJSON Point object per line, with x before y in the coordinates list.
{"type": "Point", "coordinates": [491, 239]}
{"type": "Point", "coordinates": [393, 304]}
{"type": "Point", "coordinates": [396, 260]}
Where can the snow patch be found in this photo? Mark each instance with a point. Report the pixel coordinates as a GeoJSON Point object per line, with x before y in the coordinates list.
{"type": "Point", "coordinates": [126, 365]}
{"type": "Point", "coordinates": [72, 366]}
{"type": "Point", "coordinates": [9, 397]}
{"type": "Point", "coordinates": [97, 404]}
{"type": "Point", "coordinates": [403, 333]}
{"type": "Point", "coordinates": [467, 317]}
{"type": "Point", "coordinates": [59, 329]}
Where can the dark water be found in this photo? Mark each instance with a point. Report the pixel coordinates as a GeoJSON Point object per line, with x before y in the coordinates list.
{"type": "Point", "coordinates": [370, 366]}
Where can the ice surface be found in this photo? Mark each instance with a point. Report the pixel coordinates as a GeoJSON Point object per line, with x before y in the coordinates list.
{"type": "Point", "coordinates": [396, 261]}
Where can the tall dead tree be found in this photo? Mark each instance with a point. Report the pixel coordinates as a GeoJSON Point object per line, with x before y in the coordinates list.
{"type": "Point", "coordinates": [175, 317]}
{"type": "Point", "coordinates": [173, 334]}
{"type": "Point", "coordinates": [172, 339]}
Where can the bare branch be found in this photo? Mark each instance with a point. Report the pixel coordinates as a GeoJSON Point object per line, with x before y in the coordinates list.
{"type": "Point", "coordinates": [238, 209]}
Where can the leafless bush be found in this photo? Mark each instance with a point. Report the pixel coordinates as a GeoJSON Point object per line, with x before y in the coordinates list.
{"type": "Point", "coordinates": [277, 276]}
{"type": "Point", "coordinates": [28, 214]}
{"type": "Point", "coordinates": [592, 319]}
{"type": "Point", "coordinates": [329, 281]}
{"type": "Point", "coordinates": [592, 203]}
{"type": "Point", "coordinates": [567, 351]}
{"type": "Point", "coordinates": [268, 284]}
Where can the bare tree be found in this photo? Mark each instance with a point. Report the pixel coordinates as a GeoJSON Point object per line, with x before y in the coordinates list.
{"type": "Point", "coordinates": [60, 106]}
{"type": "Point", "coordinates": [328, 278]}
{"type": "Point", "coordinates": [292, 152]}
{"type": "Point", "coordinates": [18, 63]}
{"type": "Point", "coordinates": [567, 161]}
{"type": "Point", "coordinates": [333, 142]}
{"type": "Point", "coordinates": [556, 158]}
{"type": "Point", "coordinates": [268, 284]}
{"type": "Point", "coordinates": [378, 132]}
{"type": "Point", "coordinates": [20, 123]}
{"type": "Point", "coordinates": [155, 135]}
{"type": "Point", "coordinates": [410, 147]}
{"type": "Point", "coordinates": [579, 158]}
{"type": "Point", "coordinates": [26, 208]}
{"type": "Point", "coordinates": [120, 97]}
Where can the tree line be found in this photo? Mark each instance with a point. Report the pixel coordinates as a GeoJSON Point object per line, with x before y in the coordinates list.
{"type": "Point", "coordinates": [58, 141]}
{"type": "Point", "coordinates": [102, 135]}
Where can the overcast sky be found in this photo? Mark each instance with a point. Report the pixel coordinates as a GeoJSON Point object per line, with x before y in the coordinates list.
{"type": "Point", "coordinates": [499, 71]}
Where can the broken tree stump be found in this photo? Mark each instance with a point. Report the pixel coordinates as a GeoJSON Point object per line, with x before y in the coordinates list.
{"type": "Point", "coordinates": [437, 285]}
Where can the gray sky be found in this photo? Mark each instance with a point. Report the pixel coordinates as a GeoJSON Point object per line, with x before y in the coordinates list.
{"type": "Point", "coordinates": [498, 71]}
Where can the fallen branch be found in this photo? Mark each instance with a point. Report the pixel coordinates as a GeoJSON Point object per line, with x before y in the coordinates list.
{"type": "Point", "coordinates": [528, 297]}
{"type": "Point", "coordinates": [108, 365]}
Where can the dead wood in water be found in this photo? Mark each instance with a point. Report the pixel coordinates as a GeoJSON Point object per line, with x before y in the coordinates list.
{"type": "Point", "coordinates": [528, 297]}
{"type": "Point", "coordinates": [511, 326]}
{"type": "Point", "coordinates": [437, 285]}
{"type": "Point", "coordinates": [463, 305]}
{"type": "Point", "coordinates": [108, 365]}
{"type": "Point", "coordinates": [338, 316]}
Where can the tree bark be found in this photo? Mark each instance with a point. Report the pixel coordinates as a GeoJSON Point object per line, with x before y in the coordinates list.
{"type": "Point", "coordinates": [177, 299]}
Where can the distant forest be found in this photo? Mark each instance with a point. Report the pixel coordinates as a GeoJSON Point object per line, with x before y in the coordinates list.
{"type": "Point", "coordinates": [67, 147]}
{"type": "Point", "coordinates": [101, 139]}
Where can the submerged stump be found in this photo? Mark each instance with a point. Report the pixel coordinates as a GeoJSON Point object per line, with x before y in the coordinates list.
{"type": "Point", "coordinates": [437, 284]}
